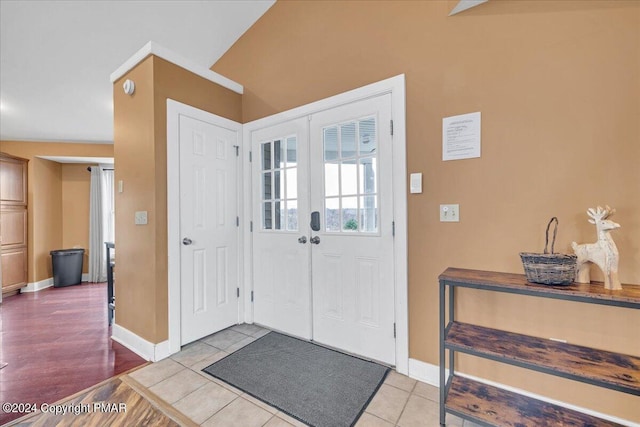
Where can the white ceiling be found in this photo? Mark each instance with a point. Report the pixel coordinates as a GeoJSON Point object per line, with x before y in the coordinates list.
{"type": "Point", "coordinates": [56, 56]}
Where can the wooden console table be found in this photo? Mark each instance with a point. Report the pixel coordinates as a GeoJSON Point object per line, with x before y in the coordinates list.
{"type": "Point", "coordinates": [492, 406]}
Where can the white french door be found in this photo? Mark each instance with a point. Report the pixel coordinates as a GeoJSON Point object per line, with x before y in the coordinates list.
{"type": "Point", "coordinates": [208, 229]}
{"type": "Point", "coordinates": [352, 260]}
{"type": "Point", "coordinates": [281, 261]}
{"type": "Point", "coordinates": [331, 281]}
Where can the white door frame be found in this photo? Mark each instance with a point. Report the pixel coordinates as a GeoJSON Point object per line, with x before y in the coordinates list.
{"type": "Point", "coordinates": [174, 111]}
{"type": "Point", "coordinates": [396, 87]}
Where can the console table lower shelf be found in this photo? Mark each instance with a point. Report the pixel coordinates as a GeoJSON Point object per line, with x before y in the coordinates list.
{"type": "Point", "coordinates": [493, 406]}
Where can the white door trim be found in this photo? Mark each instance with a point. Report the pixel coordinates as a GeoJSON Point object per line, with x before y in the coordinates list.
{"type": "Point", "coordinates": [396, 87]}
{"type": "Point", "coordinates": [174, 110]}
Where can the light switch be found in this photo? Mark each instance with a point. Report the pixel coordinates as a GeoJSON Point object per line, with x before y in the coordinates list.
{"type": "Point", "coordinates": [449, 213]}
{"type": "Point", "coordinates": [415, 183]}
{"type": "Point", "coordinates": [141, 217]}
{"type": "Point", "coordinates": [120, 186]}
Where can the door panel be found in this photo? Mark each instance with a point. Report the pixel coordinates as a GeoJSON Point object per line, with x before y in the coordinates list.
{"type": "Point", "coordinates": [281, 283]}
{"type": "Point", "coordinates": [352, 265]}
{"type": "Point", "coordinates": [208, 205]}
{"type": "Point", "coordinates": [13, 181]}
{"type": "Point", "coordinates": [13, 226]}
{"type": "Point", "coordinates": [368, 291]}
{"type": "Point", "coordinates": [14, 268]}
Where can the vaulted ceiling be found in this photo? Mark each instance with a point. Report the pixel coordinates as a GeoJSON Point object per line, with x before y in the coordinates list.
{"type": "Point", "coordinates": [56, 56]}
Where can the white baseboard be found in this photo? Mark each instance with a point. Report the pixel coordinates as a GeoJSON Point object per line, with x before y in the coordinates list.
{"type": "Point", "coordinates": [46, 283]}
{"type": "Point", "coordinates": [140, 346]}
{"type": "Point", "coordinates": [38, 286]}
{"type": "Point", "coordinates": [162, 350]}
{"type": "Point", "coordinates": [430, 374]}
{"type": "Point", "coordinates": [425, 372]}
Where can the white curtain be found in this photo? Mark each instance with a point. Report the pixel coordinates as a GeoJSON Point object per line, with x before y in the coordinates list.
{"type": "Point", "coordinates": [101, 221]}
{"type": "Point", "coordinates": [108, 206]}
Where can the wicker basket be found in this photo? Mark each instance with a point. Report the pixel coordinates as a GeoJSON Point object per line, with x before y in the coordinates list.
{"type": "Point", "coordinates": [549, 268]}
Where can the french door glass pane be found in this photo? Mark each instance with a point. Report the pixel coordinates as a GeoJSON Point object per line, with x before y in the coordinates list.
{"type": "Point", "coordinates": [266, 186]}
{"type": "Point", "coordinates": [331, 179]}
{"type": "Point", "coordinates": [350, 213]}
{"type": "Point", "coordinates": [349, 177]}
{"type": "Point", "coordinates": [348, 140]}
{"type": "Point", "coordinates": [292, 215]}
{"type": "Point", "coordinates": [278, 215]}
{"type": "Point", "coordinates": [332, 214]}
{"type": "Point", "coordinates": [367, 169]}
{"type": "Point", "coordinates": [330, 143]}
{"type": "Point", "coordinates": [276, 185]}
{"type": "Point", "coordinates": [368, 214]}
{"type": "Point", "coordinates": [291, 179]}
{"type": "Point", "coordinates": [292, 155]}
{"type": "Point", "coordinates": [267, 216]}
{"type": "Point", "coordinates": [368, 143]}
{"type": "Point", "coordinates": [278, 158]}
{"type": "Point", "coordinates": [266, 156]}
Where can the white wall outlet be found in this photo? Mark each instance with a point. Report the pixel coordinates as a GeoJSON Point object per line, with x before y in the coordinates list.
{"type": "Point", "coordinates": [449, 213]}
{"type": "Point", "coordinates": [141, 217]}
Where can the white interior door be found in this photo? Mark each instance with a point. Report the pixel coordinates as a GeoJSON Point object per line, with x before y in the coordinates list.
{"type": "Point", "coordinates": [208, 228]}
{"type": "Point", "coordinates": [281, 269]}
{"type": "Point", "coordinates": [352, 254]}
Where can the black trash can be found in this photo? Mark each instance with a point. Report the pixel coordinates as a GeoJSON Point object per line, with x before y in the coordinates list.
{"type": "Point", "coordinates": [67, 267]}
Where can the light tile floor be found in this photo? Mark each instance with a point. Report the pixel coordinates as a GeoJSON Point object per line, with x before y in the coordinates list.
{"type": "Point", "coordinates": [179, 381]}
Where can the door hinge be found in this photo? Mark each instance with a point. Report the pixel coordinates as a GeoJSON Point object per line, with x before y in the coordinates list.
{"type": "Point", "coordinates": [391, 123]}
{"type": "Point", "coordinates": [238, 293]}
{"type": "Point", "coordinates": [237, 221]}
{"type": "Point", "coordinates": [237, 147]}
{"type": "Point", "coordinates": [394, 330]}
{"type": "Point", "coordinates": [251, 226]}
{"type": "Point", "coordinates": [393, 228]}
{"type": "Point", "coordinates": [251, 296]}
{"type": "Point", "coordinates": [250, 156]}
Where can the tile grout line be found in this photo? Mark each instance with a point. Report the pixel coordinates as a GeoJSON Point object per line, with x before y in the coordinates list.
{"type": "Point", "coordinates": [237, 395]}
{"type": "Point", "coordinates": [404, 406]}
{"type": "Point", "coordinates": [269, 420]}
{"type": "Point", "coordinates": [170, 376]}
{"type": "Point", "coordinates": [220, 410]}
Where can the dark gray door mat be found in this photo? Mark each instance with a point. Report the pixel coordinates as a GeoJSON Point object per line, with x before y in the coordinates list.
{"type": "Point", "coordinates": [316, 385]}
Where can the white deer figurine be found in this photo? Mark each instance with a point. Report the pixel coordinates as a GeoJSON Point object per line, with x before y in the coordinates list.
{"type": "Point", "coordinates": [602, 253]}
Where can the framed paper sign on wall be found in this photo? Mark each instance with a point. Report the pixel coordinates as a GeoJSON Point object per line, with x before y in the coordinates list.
{"type": "Point", "coordinates": [461, 136]}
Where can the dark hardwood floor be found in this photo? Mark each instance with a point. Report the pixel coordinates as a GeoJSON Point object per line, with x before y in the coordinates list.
{"type": "Point", "coordinates": [56, 342]}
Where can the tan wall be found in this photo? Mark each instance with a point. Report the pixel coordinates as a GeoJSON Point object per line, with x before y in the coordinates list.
{"type": "Point", "coordinates": [141, 158]}
{"type": "Point", "coordinates": [557, 84]}
{"type": "Point", "coordinates": [76, 187]}
{"type": "Point", "coordinates": [45, 188]}
{"type": "Point", "coordinates": [134, 155]}
{"type": "Point", "coordinates": [47, 215]}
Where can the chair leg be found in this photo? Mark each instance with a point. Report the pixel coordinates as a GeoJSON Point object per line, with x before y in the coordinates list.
{"type": "Point", "coordinates": [109, 294]}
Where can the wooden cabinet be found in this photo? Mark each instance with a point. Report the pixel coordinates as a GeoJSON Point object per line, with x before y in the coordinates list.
{"type": "Point", "coordinates": [13, 222]}
{"type": "Point", "coordinates": [493, 406]}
